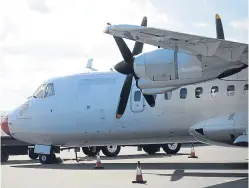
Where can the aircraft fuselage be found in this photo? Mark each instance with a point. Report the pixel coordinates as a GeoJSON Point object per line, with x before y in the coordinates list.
{"type": "Point", "coordinates": [82, 113]}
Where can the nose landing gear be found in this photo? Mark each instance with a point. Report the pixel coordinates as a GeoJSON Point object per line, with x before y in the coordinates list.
{"type": "Point", "coordinates": [47, 159]}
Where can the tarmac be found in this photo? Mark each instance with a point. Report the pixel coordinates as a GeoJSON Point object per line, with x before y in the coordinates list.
{"type": "Point", "coordinates": [215, 167]}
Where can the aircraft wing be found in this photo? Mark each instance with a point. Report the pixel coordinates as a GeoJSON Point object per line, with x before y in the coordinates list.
{"type": "Point", "coordinates": [193, 44]}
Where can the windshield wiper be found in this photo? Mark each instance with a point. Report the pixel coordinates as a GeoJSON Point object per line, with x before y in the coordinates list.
{"type": "Point", "coordinates": [31, 96]}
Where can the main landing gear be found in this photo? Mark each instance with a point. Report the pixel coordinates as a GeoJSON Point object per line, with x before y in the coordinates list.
{"type": "Point", "coordinates": [109, 150]}
{"type": "Point", "coordinates": [90, 151]}
{"type": "Point", "coordinates": [172, 148]}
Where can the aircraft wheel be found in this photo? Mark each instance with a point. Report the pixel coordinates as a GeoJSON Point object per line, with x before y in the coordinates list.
{"type": "Point", "coordinates": [89, 151]}
{"type": "Point", "coordinates": [32, 154]}
{"type": "Point", "coordinates": [4, 156]}
{"type": "Point", "coordinates": [47, 159]}
{"type": "Point", "coordinates": [111, 150]}
{"type": "Point", "coordinates": [151, 149]}
{"type": "Point", "coordinates": [172, 148]}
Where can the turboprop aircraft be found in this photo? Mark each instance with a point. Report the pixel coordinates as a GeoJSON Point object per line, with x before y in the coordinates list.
{"type": "Point", "coordinates": [191, 96]}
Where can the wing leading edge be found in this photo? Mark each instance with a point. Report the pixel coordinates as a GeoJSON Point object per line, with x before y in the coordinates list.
{"type": "Point", "coordinates": [188, 43]}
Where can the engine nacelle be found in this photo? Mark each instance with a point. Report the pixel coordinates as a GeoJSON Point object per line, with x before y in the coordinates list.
{"type": "Point", "coordinates": [222, 130]}
{"type": "Point", "coordinates": [164, 68]}
{"type": "Point", "coordinates": [241, 141]}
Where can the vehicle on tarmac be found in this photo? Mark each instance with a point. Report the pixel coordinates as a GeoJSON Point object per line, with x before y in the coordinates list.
{"type": "Point", "coordinates": [12, 146]}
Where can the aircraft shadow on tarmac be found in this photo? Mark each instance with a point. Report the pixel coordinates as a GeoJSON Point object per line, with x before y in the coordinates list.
{"type": "Point", "coordinates": [86, 158]}
{"type": "Point", "coordinates": [138, 156]}
{"type": "Point", "coordinates": [11, 162]}
{"type": "Point", "coordinates": [179, 174]}
{"type": "Point", "coordinates": [145, 166]}
{"type": "Point", "coordinates": [241, 183]}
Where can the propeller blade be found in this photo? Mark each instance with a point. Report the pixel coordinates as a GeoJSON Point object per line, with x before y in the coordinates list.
{"type": "Point", "coordinates": [219, 27]}
{"type": "Point", "coordinates": [138, 47]}
{"type": "Point", "coordinates": [125, 51]}
{"type": "Point", "coordinates": [124, 96]}
{"type": "Point", "coordinates": [150, 100]}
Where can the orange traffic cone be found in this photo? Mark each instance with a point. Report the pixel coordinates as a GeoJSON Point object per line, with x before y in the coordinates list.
{"type": "Point", "coordinates": [139, 175]}
{"type": "Point", "coordinates": [192, 154]}
{"type": "Point", "coordinates": [98, 163]}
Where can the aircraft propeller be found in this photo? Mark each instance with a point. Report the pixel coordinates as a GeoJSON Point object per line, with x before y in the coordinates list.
{"type": "Point", "coordinates": [126, 67]}
{"type": "Point", "coordinates": [219, 27]}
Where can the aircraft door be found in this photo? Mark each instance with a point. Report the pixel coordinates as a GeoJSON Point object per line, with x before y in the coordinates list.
{"type": "Point", "coordinates": [137, 100]}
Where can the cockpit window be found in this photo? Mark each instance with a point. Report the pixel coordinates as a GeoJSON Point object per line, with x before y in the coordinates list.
{"type": "Point", "coordinates": [49, 91]}
{"type": "Point", "coordinates": [40, 91]}
{"type": "Point", "coordinates": [45, 90]}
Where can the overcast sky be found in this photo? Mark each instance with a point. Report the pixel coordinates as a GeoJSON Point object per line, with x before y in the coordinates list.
{"type": "Point", "coordinates": [40, 39]}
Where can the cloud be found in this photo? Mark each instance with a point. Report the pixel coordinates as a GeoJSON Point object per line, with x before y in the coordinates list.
{"type": "Point", "coordinates": [42, 39]}
{"type": "Point", "coordinates": [240, 24]}
{"type": "Point", "coordinates": [38, 5]}
{"type": "Point", "coordinates": [45, 51]}
{"type": "Point", "coordinates": [201, 25]}
{"type": "Point", "coordinates": [8, 29]}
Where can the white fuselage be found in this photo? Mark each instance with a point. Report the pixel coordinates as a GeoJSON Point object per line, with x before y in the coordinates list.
{"type": "Point", "coordinates": [82, 112]}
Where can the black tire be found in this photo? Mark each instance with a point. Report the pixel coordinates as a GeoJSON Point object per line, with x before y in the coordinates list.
{"type": "Point", "coordinates": [4, 156]}
{"type": "Point", "coordinates": [171, 148]}
{"type": "Point", "coordinates": [32, 154]}
{"type": "Point", "coordinates": [47, 159]}
{"type": "Point", "coordinates": [151, 149]}
{"type": "Point", "coordinates": [111, 150]}
{"type": "Point", "coordinates": [89, 151]}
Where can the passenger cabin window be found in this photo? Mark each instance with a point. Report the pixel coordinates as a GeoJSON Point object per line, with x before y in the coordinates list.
{"type": "Point", "coordinates": [183, 93]}
{"type": "Point", "coordinates": [214, 91]}
{"type": "Point", "coordinates": [168, 95]}
{"type": "Point", "coordinates": [49, 90]}
{"type": "Point", "coordinates": [198, 92]}
{"type": "Point", "coordinates": [137, 96]}
{"type": "Point", "coordinates": [230, 90]}
{"type": "Point", "coordinates": [246, 89]}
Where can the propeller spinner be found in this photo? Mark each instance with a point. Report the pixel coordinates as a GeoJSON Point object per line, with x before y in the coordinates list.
{"type": "Point", "coordinates": [126, 67]}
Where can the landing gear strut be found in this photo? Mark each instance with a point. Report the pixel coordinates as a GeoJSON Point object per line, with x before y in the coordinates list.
{"type": "Point", "coordinates": [32, 154]}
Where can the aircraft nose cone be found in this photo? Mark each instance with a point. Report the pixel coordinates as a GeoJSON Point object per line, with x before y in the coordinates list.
{"type": "Point", "coordinates": [4, 125]}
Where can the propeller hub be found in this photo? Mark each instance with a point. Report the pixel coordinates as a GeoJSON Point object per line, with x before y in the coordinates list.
{"type": "Point", "coordinates": [124, 68]}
